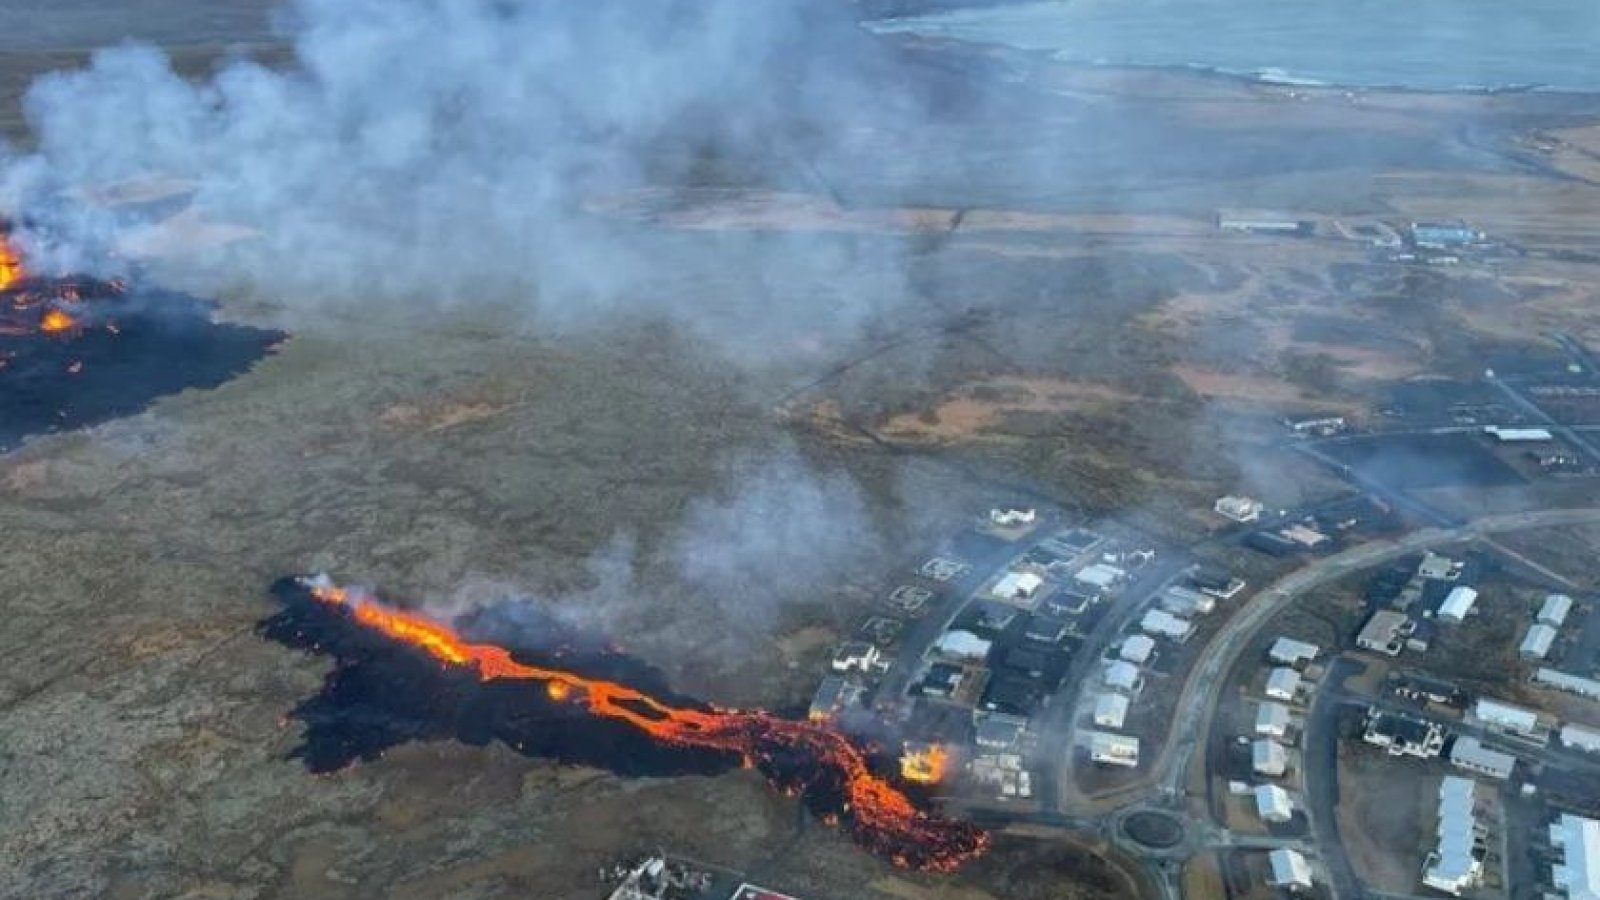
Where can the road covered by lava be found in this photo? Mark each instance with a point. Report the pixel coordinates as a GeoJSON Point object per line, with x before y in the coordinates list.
{"type": "Point", "coordinates": [403, 676]}
{"type": "Point", "coordinates": [76, 350]}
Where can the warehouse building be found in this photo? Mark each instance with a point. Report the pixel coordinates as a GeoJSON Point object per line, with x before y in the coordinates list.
{"type": "Point", "coordinates": [1469, 753]}
{"type": "Point", "coordinates": [1555, 609]}
{"type": "Point", "coordinates": [1572, 684]}
{"type": "Point", "coordinates": [1458, 604]}
{"type": "Point", "coordinates": [1505, 717]}
{"type": "Point", "coordinates": [1537, 642]}
{"type": "Point", "coordinates": [1124, 676]}
{"type": "Point", "coordinates": [1456, 862]}
{"type": "Point", "coordinates": [1577, 873]}
{"type": "Point", "coordinates": [1385, 632]}
{"type": "Point", "coordinates": [1578, 737]}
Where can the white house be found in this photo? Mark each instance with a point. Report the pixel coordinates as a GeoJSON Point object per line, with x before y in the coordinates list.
{"type": "Point", "coordinates": [1580, 738]}
{"type": "Point", "coordinates": [1110, 710]}
{"type": "Point", "coordinates": [1272, 719]}
{"type": "Point", "coordinates": [1289, 869]}
{"type": "Point", "coordinates": [1283, 683]}
{"type": "Point", "coordinates": [1123, 676]}
{"type": "Point", "coordinates": [1100, 576]}
{"type": "Point", "coordinates": [1239, 509]}
{"type": "Point", "coordinates": [1164, 624]}
{"type": "Point", "coordinates": [1505, 717]}
{"type": "Point", "coordinates": [962, 644]}
{"type": "Point", "coordinates": [1137, 648]}
{"type": "Point", "coordinates": [1018, 586]}
{"type": "Point", "coordinates": [1268, 757]}
{"type": "Point", "coordinates": [1290, 652]}
{"type": "Point", "coordinates": [1469, 753]}
{"type": "Point", "coordinates": [1013, 518]}
{"type": "Point", "coordinates": [1273, 803]}
{"type": "Point", "coordinates": [1113, 749]}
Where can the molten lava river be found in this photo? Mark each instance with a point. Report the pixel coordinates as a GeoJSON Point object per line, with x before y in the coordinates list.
{"type": "Point", "coordinates": [404, 676]}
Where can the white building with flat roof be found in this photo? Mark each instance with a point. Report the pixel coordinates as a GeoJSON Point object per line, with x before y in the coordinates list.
{"type": "Point", "coordinates": [1100, 576]}
{"type": "Point", "coordinates": [1289, 869]}
{"type": "Point", "coordinates": [1268, 757]}
{"type": "Point", "coordinates": [1113, 749]}
{"type": "Point", "coordinates": [1505, 717]}
{"type": "Point", "coordinates": [1110, 710]}
{"type": "Point", "coordinates": [1458, 603]}
{"type": "Point", "coordinates": [1272, 719]}
{"type": "Point", "coordinates": [1290, 652]}
{"type": "Point", "coordinates": [1453, 866]}
{"type": "Point", "coordinates": [1469, 753]}
{"type": "Point", "coordinates": [1273, 803]}
{"type": "Point", "coordinates": [962, 644]}
{"type": "Point", "coordinates": [1555, 609]}
{"type": "Point", "coordinates": [1578, 737]}
{"type": "Point", "coordinates": [1537, 642]}
{"type": "Point", "coordinates": [1137, 648]}
{"type": "Point", "coordinates": [1283, 683]}
{"type": "Point", "coordinates": [1577, 873]}
{"type": "Point", "coordinates": [1239, 509]}
{"type": "Point", "coordinates": [1013, 518]}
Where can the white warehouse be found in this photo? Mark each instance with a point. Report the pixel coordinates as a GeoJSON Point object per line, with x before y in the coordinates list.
{"type": "Point", "coordinates": [1458, 604]}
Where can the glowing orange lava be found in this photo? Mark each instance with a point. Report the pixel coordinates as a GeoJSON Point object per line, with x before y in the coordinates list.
{"type": "Point", "coordinates": [924, 763]}
{"type": "Point", "coordinates": [883, 814]}
{"type": "Point", "coordinates": [54, 321]}
{"type": "Point", "coordinates": [11, 271]}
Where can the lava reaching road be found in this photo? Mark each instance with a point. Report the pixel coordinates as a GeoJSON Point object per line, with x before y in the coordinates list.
{"type": "Point", "coordinates": [11, 270]}
{"type": "Point", "coordinates": [814, 758]}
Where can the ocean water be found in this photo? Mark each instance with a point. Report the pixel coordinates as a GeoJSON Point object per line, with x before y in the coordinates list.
{"type": "Point", "coordinates": [1434, 45]}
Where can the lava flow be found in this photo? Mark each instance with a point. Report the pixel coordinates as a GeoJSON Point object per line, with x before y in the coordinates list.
{"type": "Point", "coordinates": [806, 755]}
{"type": "Point", "coordinates": [11, 271]}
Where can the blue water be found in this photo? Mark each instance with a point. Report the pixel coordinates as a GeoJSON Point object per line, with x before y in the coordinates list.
{"type": "Point", "coordinates": [1438, 45]}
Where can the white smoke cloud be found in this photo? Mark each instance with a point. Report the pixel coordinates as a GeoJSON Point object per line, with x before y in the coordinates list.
{"type": "Point", "coordinates": [441, 151]}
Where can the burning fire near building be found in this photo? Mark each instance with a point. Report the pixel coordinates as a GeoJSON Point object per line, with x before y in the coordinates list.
{"type": "Point", "coordinates": [403, 676]}
{"type": "Point", "coordinates": [76, 350]}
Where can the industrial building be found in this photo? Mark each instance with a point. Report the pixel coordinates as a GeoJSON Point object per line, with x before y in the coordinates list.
{"type": "Point", "coordinates": [1165, 624]}
{"type": "Point", "coordinates": [1402, 735]}
{"type": "Point", "coordinates": [1572, 684]}
{"type": "Point", "coordinates": [1505, 717]}
{"type": "Point", "coordinates": [1273, 803]}
{"type": "Point", "coordinates": [1137, 648]}
{"type": "Point", "coordinates": [1537, 642]}
{"type": "Point", "coordinates": [1458, 604]}
{"type": "Point", "coordinates": [1113, 749]}
{"type": "Point", "coordinates": [1110, 710]}
{"type": "Point", "coordinates": [1456, 862]}
{"type": "Point", "coordinates": [1283, 683]}
{"type": "Point", "coordinates": [1289, 870]}
{"type": "Point", "coordinates": [1272, 719]}
{"type": "Point", "coordinates": [1469, 753]}
{"type": "Point", "coordinates": [1555, 609]}
{"type": "Point", "coordinates": [1259, 222]}
{"type": "Point", "coordinates": [1518, 435]}
{"type": "Point", "coordinates": [1290, 652]}
{"type": "Point", "coordinates": [1239, 509]}
{"type": "Point", "coordinates": [1580, 738]}
{"type": "Point", "coordinates": [1577, 873]}
{"type": "Point", "coordinates": [1438, 568]}
{"type": "Point", "coordinates": [1385, 632]}
{"type": "Point", "coordinates": [1268, 757]}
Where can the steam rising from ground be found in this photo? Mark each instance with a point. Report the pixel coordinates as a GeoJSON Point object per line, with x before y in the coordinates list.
{"type": "Point", "coordinates": [441, 151]}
